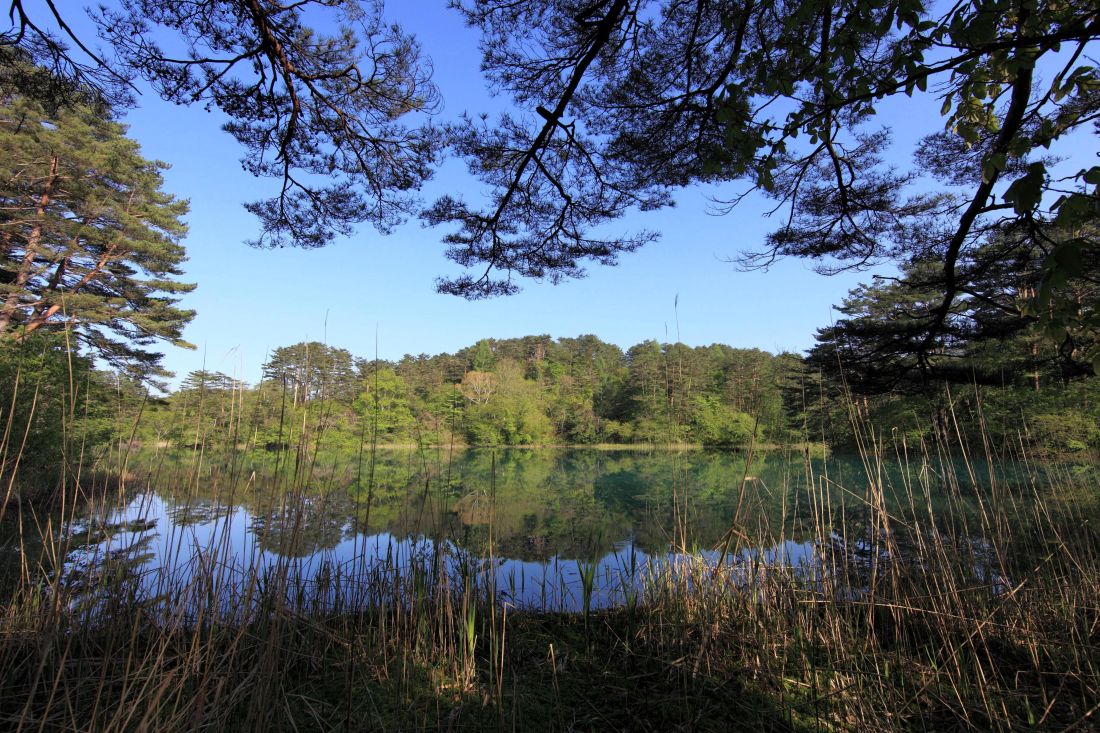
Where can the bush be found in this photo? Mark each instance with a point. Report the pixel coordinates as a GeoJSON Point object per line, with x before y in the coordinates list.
{"type": "Point", "coordinates": [43, 391]}
{"type": "Point", "coordinates": [715, 423]}
{"type": "Point", "coordinates": [1063, 433]}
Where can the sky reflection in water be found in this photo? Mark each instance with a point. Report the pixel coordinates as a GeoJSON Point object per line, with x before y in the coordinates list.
{"type": "Point", "coordinates": [552, 517]}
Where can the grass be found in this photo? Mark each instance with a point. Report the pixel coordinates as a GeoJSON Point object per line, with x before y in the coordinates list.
{"type": "Point", "coordinates": [981, 616]}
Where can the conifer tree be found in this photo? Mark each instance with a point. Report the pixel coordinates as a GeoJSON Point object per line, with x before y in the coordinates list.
{"type": "Point", "coordinates": [89, 241]}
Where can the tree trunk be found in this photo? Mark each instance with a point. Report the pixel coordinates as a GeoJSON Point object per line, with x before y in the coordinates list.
{"type": "Point", "coordinates": [11, 300]}
{"type": "Point", "coordinates": [1035, 364]}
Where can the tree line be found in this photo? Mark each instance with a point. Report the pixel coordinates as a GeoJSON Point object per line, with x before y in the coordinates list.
{"type": "Point", "coordinates": [534, 390]}
{"type": "Point", "coordinates": [1006, 394]}
{"type": "Point", "coordinates": [539, 390]}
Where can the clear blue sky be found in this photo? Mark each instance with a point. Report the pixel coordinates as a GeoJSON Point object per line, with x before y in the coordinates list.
{"type": "Point", "coordinates": [252, 301]}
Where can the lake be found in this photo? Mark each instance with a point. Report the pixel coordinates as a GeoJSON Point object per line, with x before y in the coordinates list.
{"type": "Point", "coordinates": [549, 529]}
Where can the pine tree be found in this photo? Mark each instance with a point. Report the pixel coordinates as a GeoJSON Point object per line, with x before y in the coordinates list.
{"type": "Point", "coordinates": [89, 241]}
{"type": "Point", "coordinates": [312, 370]}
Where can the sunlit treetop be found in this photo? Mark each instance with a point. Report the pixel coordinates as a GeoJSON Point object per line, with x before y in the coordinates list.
{"type": "Point", "coordinates": [89, 241]}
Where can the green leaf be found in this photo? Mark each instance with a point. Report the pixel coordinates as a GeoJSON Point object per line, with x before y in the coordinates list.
{"type": "Point", "coordinates": [1026, 192]}
{"type": "Point", "coordinates": [968, 133]}
{"type": "Point", "coordinates": [1073, 210]}
{"type": "Point", "coordinates": [767, 182]}
{"type": "Point", "coordinates": [992, 166]}
{"type": "Point", "coordinates": [1069, 259]}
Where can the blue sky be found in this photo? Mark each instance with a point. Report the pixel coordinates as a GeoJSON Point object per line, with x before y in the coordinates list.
{"type": "Point", "coordinates": [250, 301]}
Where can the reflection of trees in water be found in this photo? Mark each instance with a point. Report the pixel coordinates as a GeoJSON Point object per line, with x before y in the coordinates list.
{"type": "Point", "coordinates": [541, 504]}
{"type": "Point", "coordinates": [37, 546]}
{"type": "Point", "coordinates": [96, 575]}
{"type": "Point", "coordinates": [538, 503]}
{"type": "Point", "coordinates": [567, 503]}
{"type": "Point", "coordinates": [544, 502]}
{"type": "Point", "coordinates": [689, 496]}
{"type": "Point", "coordinates": [196, 511]}
{"type": "Point", "coordinates": [907, 560]}
{"type": "Point", "coordinates": [90, 533]}
{"type": "Point", "coordinates": [303, 523]}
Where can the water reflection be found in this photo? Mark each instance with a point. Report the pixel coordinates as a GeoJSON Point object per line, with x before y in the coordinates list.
{"type": "Point", "coordinates": [558, 530]}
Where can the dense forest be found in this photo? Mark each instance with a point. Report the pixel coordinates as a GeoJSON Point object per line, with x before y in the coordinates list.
{"type": "Point", "coordinates": [538, 390]}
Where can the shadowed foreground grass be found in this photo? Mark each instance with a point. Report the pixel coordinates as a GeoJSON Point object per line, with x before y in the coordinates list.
{"type": "Point", "coordinates": [342, 674]}
{"type": "Point", "coordinates": [923, 645]}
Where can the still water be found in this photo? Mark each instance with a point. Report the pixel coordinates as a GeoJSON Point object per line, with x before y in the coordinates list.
{"type": "Point", "coordinates": [552, 529]}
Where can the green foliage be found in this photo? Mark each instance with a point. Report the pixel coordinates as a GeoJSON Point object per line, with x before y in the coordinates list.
{"type": "Point", "coordinates": [623, 110]}
{"type": "Point", "coordinates": [313, 370]}
{"type": "Point", "coordinates": [539, 391]}
{"type": "Point", "coordinates": [990, 338]}
{"type": "Point", "coordinates": [483, 360]}
{"type": "Point", "coordinates": [317, 107]}
{"type": "Point", "coordinates": [511, 414]}
{"type": "Point", "coordinates": [384, 406]}
{"type": "Point", "coordinates": [88, 240]}
{"type": "Point", "coordinates": [717, 424]}
{"type": "Point", "coordinates": [1064, 432]}
{"type": "Point", "coordinates": [630, 102]}
{"type": "Point", "coordinates": [56, 409]}
{"type": "Point", "coordinates": [1007, 387]}
{"type": "Point", "coordinates": [574, 417]}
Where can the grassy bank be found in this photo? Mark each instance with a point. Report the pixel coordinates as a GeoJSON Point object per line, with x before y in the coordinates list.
{"type": "Point", "coordinates": [776, 658]}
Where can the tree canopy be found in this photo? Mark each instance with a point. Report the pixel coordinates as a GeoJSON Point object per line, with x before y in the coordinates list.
{"type": "Point", "coordinates": [317, 112]}
{"type": "Point", "coordinates": [877, 346]}
{"type": "Point", "coordinates": [633, 99]}
{"type": "Point", "coordinates": [620, 103]}
{"type": "Point", "coordinates": [312, 371]}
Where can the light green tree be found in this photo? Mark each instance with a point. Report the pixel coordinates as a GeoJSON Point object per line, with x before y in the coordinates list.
{"type": "Point", "coordinates": [513, 414]}
{"type": "Point", "coordinates": [384, 405]}
{"type": "Point", "coordinates": [715, 423]}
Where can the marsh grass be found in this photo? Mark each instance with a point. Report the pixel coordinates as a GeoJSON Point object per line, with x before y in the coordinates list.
{"type": "Point", "coordinates": [908, 617]}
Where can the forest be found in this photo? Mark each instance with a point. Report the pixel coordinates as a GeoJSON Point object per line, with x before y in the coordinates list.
{"type": "Point", "coordinates": [539, 391]}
